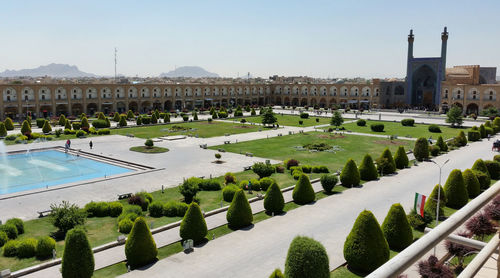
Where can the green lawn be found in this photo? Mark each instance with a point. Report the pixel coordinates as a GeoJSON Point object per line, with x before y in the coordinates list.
{"type": "Point", "coordinates": [395, 128]}
{"type": "Point", "coordinates": [282, 148]}
{"type": "Point", "coordinates": [202, 129]}
{"type": "Point", "coordinates": [292, 120]}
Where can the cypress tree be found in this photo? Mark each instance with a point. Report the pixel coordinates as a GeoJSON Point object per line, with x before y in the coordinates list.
{"type": "Point", "coordinates": [130, 114]}
{"type": "Point", "coordinates": [441, 144]}
{"type": "Point", "coordinates": [157, 114]}
{"type": "Point", "coordinates": [9, 125]}
{"type": "Point", "coordinates": [138, 121]}
{"type": "Point", "coordinates": [421, 149]}
{"type": "Point", "coordinates": [193, 225]}
{"type": "Point", "coordinates": [454, 188]}
{"type": "Point", "coordinates": [461, 140]}
{"type": "Point", "coordinates": [67, 125]}
{"type": "Point", "coordinates": [62, 120]}
{"type": "Point", "coordinates": [46, 127]}
{"type": "Point", "coordinates": [366, 248]}
{"type": "Point", "coordinates": [391, 165]}
{"type": "Point", "coordinates": [400, 158]}
{"type": "Point", "coordinates": [303, 193]}
{"type": "Point", "coordinates": [195, 116]}
{"type": "Point", "coordinates": [85, 124]}
{"type": "Point", "coordinates": [78, 259]}
{"type": "Point", "coordinates": [471, 183]}
{"type": "Point", "coordinates": [252, 112]}
{"type": "Point", "coordinates": [166, 119]}
{"type": "Point", "coordinates": [116, 117]}
{"type": "Point", "coordinates": [431, 202]}
{"type": "Point", "coordinates": [140, 247]}
{"type": "Point", "coordinates": [350, 174]}
{"type": "Point", "coordinates": [274, 201]}
{"type": "Point", "coordinates": [25, 128]}
{"type": "Point", "coordinates": [397, 229]}
{"type": "Point", "coordinates": [154, 119]}
{"type": "Point", "coordinates": [367, 169]}
{"type": "Point", "coordinates": [493, 169]}
{"type": "Point", "coordinates": [482, 131]}
{"type": "Point", "coordinates": [306, 258]}
{"type": "Point", "coordinates": [277, 274]}
{"type": "Point", "coordinates": [3, 130]}
{"type": "Point", "coordinates": [123, 121]}
{"type": "Point", "coordinates": [239, 214]}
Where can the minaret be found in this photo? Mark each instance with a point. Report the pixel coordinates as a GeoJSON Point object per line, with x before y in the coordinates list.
{"type": "Point", "coordinates": [408, 68]}
{"type": "Point", "coordinates": [444, 42]}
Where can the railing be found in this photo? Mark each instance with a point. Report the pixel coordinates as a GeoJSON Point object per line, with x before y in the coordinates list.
{"type": "Point", "coordinates": [414, 252]}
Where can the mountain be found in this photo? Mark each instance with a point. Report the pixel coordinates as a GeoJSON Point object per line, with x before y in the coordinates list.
{"type": "Point", "coordinates": [189, 71]}
{"type": "Point", "coordinates": [52, 70]}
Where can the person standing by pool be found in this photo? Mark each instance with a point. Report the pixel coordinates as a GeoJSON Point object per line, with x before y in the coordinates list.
{"type": "Point", "coordinates": [91, 144]}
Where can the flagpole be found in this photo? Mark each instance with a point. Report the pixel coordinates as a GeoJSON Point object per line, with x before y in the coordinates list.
{"type": "Point", "coordinates": [439, 195]}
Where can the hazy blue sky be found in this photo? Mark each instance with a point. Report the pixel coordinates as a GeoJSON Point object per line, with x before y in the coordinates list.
{"type": "Point", "coordinates": [286, 37]}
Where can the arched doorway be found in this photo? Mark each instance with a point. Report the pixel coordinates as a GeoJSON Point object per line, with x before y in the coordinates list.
{"type": "Point", "coordinates": [91, 109]}
{"type": "Point", "coordinates": [167, 105]}
{"type": "Point", "coordinates": [424, 87]}
{"type": "Point", "coordinates": [472, 108]}
{"type": "Point", "coordinates": [133, 106]}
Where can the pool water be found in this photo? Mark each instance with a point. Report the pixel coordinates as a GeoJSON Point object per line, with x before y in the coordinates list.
{"type": "Point", "coordinates": [27, 171]}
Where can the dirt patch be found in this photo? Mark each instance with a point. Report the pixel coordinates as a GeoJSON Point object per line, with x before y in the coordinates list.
{"type": "Point", "coordinates": [330, 136]}
{"type": "Point", "coordinates": [389, 142]}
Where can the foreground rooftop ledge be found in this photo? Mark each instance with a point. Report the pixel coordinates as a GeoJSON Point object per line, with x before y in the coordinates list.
{"type": "Point", "coordinates": [417, 250]}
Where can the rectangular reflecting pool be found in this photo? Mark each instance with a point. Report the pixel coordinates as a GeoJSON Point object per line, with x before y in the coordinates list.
{"type": "Point", "coordinates": [33, 170]}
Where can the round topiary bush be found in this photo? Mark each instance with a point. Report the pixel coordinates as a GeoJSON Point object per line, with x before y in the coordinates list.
{"type": "Point", "coordinates": [361, 122]}
{"type": "Point", "coordinates": [367, 169]}
{"type": "Point", "coordinates": [484, 180]}
{"type": "Point", "coordinates": [149, 143]}
{"type": "Point", "coordinates": [482, 131]}
{"type": "Point", "coordinates": [3, 130]}
{"type": "Point", "coordinates": [390, 166]}
{"type": "Point", "coordinates": [27, 248]}
{"type": "Point", "coordinates": [461, 140]}
{"type": "Point", "coordinates": [10, 230]}
{"type": "Point", "coordinates": [44, 247]}
{"type": "Point", "coordinates": [421, 149]}
{"type": "Point", "coordinates": [3, 238]}
{"type": "Point", "coordinates": [277, 274]}
{"type": "Point", "coordinates": [473, 135]}
{"type": "Point", "coordinates": [306, 258]}
{"type": "Point", "coordinates": [407, 122]}
{"type": "Point", "coordinates": [434, 150]}
{"type": "Point", "coordinates": [174, 208]}
{"type": "Point", "coordinates": [10, 248]}
{"type": "Point", "coordinates": [9, 125]}
{"type": "Point", "coordinates": [274, 201]}
{"type": "Point", "coordinates": [125, 226]}
{"type": "Point", "coordinates": [493, 169]}
{"type": "Point", "coordinates": [366, 248]}
{"type": "Point", "coordinates": [434, 129]}
{"type": "Point", "coordinates": [350, 174]}
{"type": "Point", "coordinates": [18, 223]}
{"type": "Point", "coordinates": [328, 182]}
{"type": "Point", "coordinates": [115, 209]}
{"type": "Point", "coordinates": [471, 183]}
{"type": "Point", "coordinates": [454, 188]}
{"type": "Point", "coordinates": [377, 127]}
{"type": "Point", "coordinates": [265, 183]}
{"type": "Point", "coordinates": [78, 259]}
{"type": "Point", "coordinates": [431, 201]}
{"type": "Point", "coordinates": [156, 209]}
{"type": "Point", "coordinates": [239, 214]}
{"type": "Point", "coordinates": [441, 144]}
{"type": "Point", "coordinates": [303, 193]}
{"type": "Point", "coordinates": [193, 225]}
{"type": "Point", "coordinates": [229, 178]}
{"type": "Point", "coordinates": [397, 229]}
{"type": "Point", "coordinates": [228, 192]}
{"type": "Point", "coordinates": [400, 158]}
{"type": "Point", "coordinates": [210, 185]}
{"type": "Point", "coordinates": [479, 165]}
{"type": "Point", "coordinates": [140, 247]}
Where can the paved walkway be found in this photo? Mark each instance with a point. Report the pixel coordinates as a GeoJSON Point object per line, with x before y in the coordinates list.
{"type": "Point", "coordinates": [329, 220]}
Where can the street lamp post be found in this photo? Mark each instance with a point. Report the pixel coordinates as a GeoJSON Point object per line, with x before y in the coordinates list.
{"type": "Point", "coordinates": [439, 194]}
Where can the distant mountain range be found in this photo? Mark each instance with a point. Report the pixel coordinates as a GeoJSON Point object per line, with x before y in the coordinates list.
{"type": "Point", "coordinates": [189, 71]}
{"type": "Point", "coordinates": [53, 70]}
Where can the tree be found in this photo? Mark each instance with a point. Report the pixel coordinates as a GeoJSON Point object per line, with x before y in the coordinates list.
{"type": "Point", "coordinates": [62, 120]}
{"type": "Point", "coordinates": [421, 149]}
{"type": "Point", "coordinates": [350, 174]}
{"type": "Point", "coordinates": [130, 114]}
{"type": "Point", "coordinates": [306, 258]}
{"type": "Point", "coordinates": [269, 118]}
{"type": "Point", "coordinates": [218, 156]}
{"type": "Point", "coordinates": [116, 117]}
{"type": "Point", "coordinates": [25, 128]}
{"type": "Point", "coordinates": [263, 169]}
{"type": "Point", "coordinates": [166, 119]}
{"type": "Point", "coordinates": [140, 247]}
{"type": "Point", "coordinates": [149, 143]}
{"type": "Point", "coordinates": [390, 166]}
{"type": "Point", "coordinates": [454, 116]}
{"type": "Point", "coordinates": [400, 158]}
{"type": "Point", "coordinates": [431, 201]}
{"type": "Point", "coordinates": [154, 119]}
{"type": "Point", "coordinates": [337, 119]}
{"type": "Point", "coordinates": [454, 188]}
{"type": "Point", "coordinates": [189, 188]}
{"type": "Point", "coordinates": [123, 121]}
{"type": "Point", "coordinates": [66, 216]}
{"type": "Point", "coordinates": [303, 192]}
{"type": "Point", "coordinates": [3, 130]}
{"type": "Point", "coordinates": [367, 169]}
{"type": "Point", "coordinates": [274, 201]}
{"type": "Point", "coordinates": [471, 183]}
{"type": "Point", "coordinates": [397, 229]}
{"type": "Point", "coordinates": [85, 124]}
{"type": "Point", "coordinates": [366, 248]}
{"type": "Point", "coordinates": [193, 225]}
{"type": "Point", "coordinates": [78, 259]}
{"type": "Point", "coordinates": [441, 144]}
{"type": "Point", "coordinates": [46, 127]}
{"type": "Point", "coordinates": [9, 125]}
{"type": "Point", "coordinates": [239, 213]}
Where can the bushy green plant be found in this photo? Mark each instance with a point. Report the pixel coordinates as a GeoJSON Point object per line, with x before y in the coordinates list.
{"type": "Point", "coordinates": [473, 135]}
{"type": "Point", "coordinates": [400, 158]}
{"type": "Point", "coordinates": [210, 185]}
{"type": "Point", "coordinates": [421, 149]}
{"type": "Point", "coordinates": [479, 165]}
{"type": "Point", "coordinates": [434, 129]}
{"type": "Point", "coordinates": [397, 229]}
{"type": "Point", "coordinates": [239, 214]}
{"type": "Point", "coordinates": [125, 226]}
{"type": "Point", "coordinates": [3, 130]}
{"type": "Point", "coordinates": [306, 169]}
{"type": "Point", "coordinates": [66, 216]}
{"type": "Point", "coordinates": [328, 182]}
{"type": "Point", "coordinates": [26, 248]}
{"type": "Point", "coordinates": [18, 223]}
{"type": "Point", "coordinates": [417, 221]}
{"type": "Point", "coordinates": [263, 169]}
{"type": "Point", "coordinates": [10, 230]}
{"type": "Point", "coordinates": [434, 150]}
{"type": "Point", "coordinates": [303, 192]}
{"type": "Point", "coordinates": [482, 131]}
{"type": "Point", "coordinates": [484, 180]}
{"type": "Point", "coordinates": [156, 209]}
{"type": "Point", "coordinates": [229, 191]}
{"type": "Point", "coordinates": [454, 188]}
{"type": "Point", "coordinates": [471, 183]}
{"type": "Point", "coordinates": [441, 144]}
{"type": "Point", "coordinates": [277, 274]}
{"type": "Point", "coordinates": [366, 248]}
{"type": "Point", "coordinates": [229, 178]}
{"type": "Point", "coordinates": [175, 208]}
{"type": "Point", "coordinates": [350, 174]}
{"type": "Point", "coordinates": [361, 122]}
{"type": "Point", "coordinates": [274, 201]}
{"type": "Point", "coordinates": [461, 140]}
{"type": "Point", "coordinates": [115, 209]}
{"type": "Point", "coordinates": [377, 127]}
{"type": "Point", "coordinates": [493, 169]}
{"type": "Point", "coordinates": [265, 183]}
{"type": "Point", "coordinates": [25, 128]}
{"type": "Point", "coordinates": [123, 121]}
{"type": "Point", "coordinates": [140, 247]}
{"type": "Point", "coordinates": [84, 124]}
{"type": "Point", "coordinates": [189, 188]}
{"type": "Point", "coordinates": [407, 122]}
{"type": "Point", "coordinates": [390, 166]}
{"type": "Point", "coordinates": [306, 258]}
{"type": "Point", "coordinates": [9, 125]}
{"type": "Point", "coordinates": [193, 225]}
{"type": "Point", "coordinates": [3, 238]}
{"type": "Point", "coordinates": [10, 248]}
{"type": "Point", "coordinates": [431, 201]}
{"type": "Point", "coordinates": [78, 259]}
{"type": "Point", "coordinates": [367, 169]}
{"type": "Point", "coordinates": [44, 247]}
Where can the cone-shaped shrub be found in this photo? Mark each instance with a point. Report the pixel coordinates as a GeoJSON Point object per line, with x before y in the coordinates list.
{"type": "Point", "coordinates": [78, 259]}
{"type": "Point", "coordinates": [303, 193]}
{"type": "Point", "coordinates": [400, 158]}
{"type": "Point", "coordinates": [441, 144]}
{"type": "Point", "coordinates": [277, 272]}
{"type": "Point", "coordinates": [140, 247]}
{"type": "Point", "coordinates": [193, 225]}
{"type": "Point", "coordinates": [239, 214]}
{"type": "Point", "coordinates": [123, 121]}
{"type": "Point", "coordinates": [166, 119]}
{"type": "Point", "coordinates": [493, 169]}
{"type": "Point", "coordinates": [471, 183]}
{"type": "Point", "coordinates": [25, 128]}
{"type": "Point", "coordinates": [454, 188]}
{"type": "Point", "coordinates": [3, 130]}
{"type": "Point", "coordinates": [367, 169]}
{"type": "Point", "coordinates": [479, 165]}
{"type": "Point", "coordinates": [306, 258]}
{"type": "Point", "coordinates": [67, 125]}
{"type": "Point", "coordinates": [9, 125]}
{"type": "Point", "coordinates": [390, 167]}
{"type": "Point", "coordinates": [274, 202]}
{"type": "Point", "coordinates": [397, 229]}
{"type": "Point", "coordinates": [138, 121]}
{"type": "Point", "coordinates": [85, 123]}
{"type": "Point", "coordinates": [116, 117]}
{"type": "Point", "coordinates": [431, 201]}
{"type": "Point", "coordinates": [421, 150]}
{"type": "Point", "coordinates": [130, 114]}
{"type": "Point", "coordinates": [484, 180]}
{"type": "Point", "coordinates": [46, 127]}
{"type": "Point", "coordinates": [62, 120]}
{"type": "Point", "coordinates": [461, 140]}
{"type": "Point", "coordinates": [482, 131]}
{"type": "Point", "coordinates": [350, 174]}
{"type": "Point", "coordinates": [154, 119]}
{"type": "Point", "coordinates": [366, 248]}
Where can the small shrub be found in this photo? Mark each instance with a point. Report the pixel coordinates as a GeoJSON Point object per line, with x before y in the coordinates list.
{"type": "Point", "coordinates": [361, 122]}
{"type": "Point", "coordinates": [66, 216]}
{"type": "Point", "coordinates": [304, 115]}
{"type": "Point", "coordinates": [80, 133]}
{"type": "Point", "coordinates": [377, 127]}
{"type": "Point", "coordinates": [480, 225]}
{"type": "Point", "coordinates": [454, 188]}
{"type": "Point", "coordinates": [434, 129]}
{"type": "Point", "coordinates": [140, 201]}
{"type": "Point", "coordinates": [27, 248]}
{"type": "Point", "coordinates": [471, 183]}
{"type": "Point", "coordinates": [156, 209]}
{"type": "Point", "coordinates": [473, 135]}
{"type": "Point", "coordinates": [367, 169]}
{"type": "Point", "coordinates": [210, 185]}
{"type": "Point", "coordinates": [265, 183]}
{"type": "Point", "coordinates": [189, 188]}
{"type": "Point", "coordinates": [400, 158]}
{"type": "Point", "coordinates": [274, 201]}
{"type": "Point", "coordinates": [441, 144]}
{"type": "Point", "coordinates": [421, 149]}
{"type": "Point", "coordinates": [263, 169]}
{"type": "Point", "coordinates": [461, 140]}
{"type": "Point", "coordinates": [434, 150]}
{"type": "Point", "coordinates": [408, 122]}
{"type": "Point", "coordinates": [385, 163]}
{"type": "Point", "coordinates": [417, 221]}
{"type": "Point", "coordinates": [10, 230]}
{"type": "Point", "coordinates": [432, 268]}
{"type": "Point", "coordinates": [306, 169]}
{"type": "Point", "coordinates": [44, 247]}
{"type": "Point", "coordinates": [484, 180]}
{"type": "Point", "coordinates": [301, 122]}
{"type": "Point", "coordinates": [306, 258]}
{"type": "Point", "coordinates": [479, 165]}
{"type": "Point", "coordinates": [320, 169]}
{"type": "Point", "coordinates": [291, 163]}
{"type": "Point", "coordinates": [493, 169]}
{"type": "Point", "coordinates": [149, 143]}
{"type": "Point", "coordinates": [303, 193]}
{"type": "Point", "coordinates": [140, 247]}
{"type": "Point", "coordinates": [10, 248]}
{"type": "Point", "coordinates": [228, 192]}
{"type": "Point", "coordinates": [123, 121]}
{"type": "Point", "coordinates": [397, 229]}
{"type": "Point", "coordinates": [277, 274]}
{"type": "Point", "coordinates": [431, 202]}
{"type": "Point", "coordinates": [239, 214]}
{"type": "Point", "coordinates": [3, 238]}
{"type": "Point", "coordinates": [18, 223]}
{"type": "Point", "coordinates": [350, 174]}
{"type": "Point", "coordinates": [193, 225]}
{"type": "Point", "coordinates": [125, 226]}
{"type": "Point", "coordinates": [328, 182]}
{"type": "Point", "coordinates": [174, 208]}
{"type": "Point", "coordinates": [230, 178]}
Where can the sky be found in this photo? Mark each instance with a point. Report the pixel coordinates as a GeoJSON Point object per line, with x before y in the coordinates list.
{"type": "Point", "coordinates": [318, 38]}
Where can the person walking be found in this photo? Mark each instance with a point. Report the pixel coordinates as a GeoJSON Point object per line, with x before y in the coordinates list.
{"type": "Point", "coordinates": [91, 144]}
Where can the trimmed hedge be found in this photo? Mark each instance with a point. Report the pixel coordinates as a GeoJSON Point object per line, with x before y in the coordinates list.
{"type": "Point", "coordinates": [44, 247]}
{"type": "Point", "coordinates": [274, 201]}
{"type": "Point", "coordinates": [175, 208]}
{"type": "Point", "coordinates": [431, 202]}
{"type": "Point", "coordinates": [350, 174]}
{"type": "Point", "coordinates": [421, 149]}
{"type": "Point", "coordinates": [400, 158]}
{"type": "Point", "coordinates": [140, 247]}
{"type": "Point", "coordinates": [26, 248]}
{"type": "Point", "coordinates": [454, 188]}
{"type": "Point", "coordinates": [434, 150]}
{"type": "Point", "coordinates": [484, 180]}
{"type": "Point", "coordinates": [367, 169]}
{"type": "Point", "coordinates": [78, 259]}
{"type": "Point", "coordinates": [473, 135]}
{"type": "Point", "coordinates": [125, 226]}
{"type": "Point", "coordinates": [328, 182]}
{"type": "Point", "coordinates": [361, 122]}
{"type": "Point", "coordinates": [265, 183]}
{"type": "Point", "coordinates": [397, 229]}
{"type": "Point", "coordinates": [303, 192]}
{"type": "Point", "coordinates": [306, 258]}
{"type": "Point", "coordinates": [493, 169]}
{"type": "Point", "coordinates": [229, 191]}
{"type": "Point", "coordinates": [193, 225]}
{"type": "Point", "coordinates": [10, 230]}
{"type": "Point", "coordinates": [377, 127]}
{"type": "Point", "coordinates": [115, 209]}
{"type": "Point", "coordinates": [10, 248]}
{"type": "Point", "coordinates": [434, 129]}
{"type": "Point", "coordinates": [366, 248]}
{"type": "Point", "coordinates": [18, 223]}
{"type": "Point", "coordinates": [239, 214]}
{"type": "Point", "coordinates": [408, 122]}
{"type": "Point", "coordinates": [156, 209]}
{"type": "Point", "coordinates": [471, 183]}
{"type": "Point", "coordinates": [210, 185]}
{"type": "Point", "coordinates": [479, 165]}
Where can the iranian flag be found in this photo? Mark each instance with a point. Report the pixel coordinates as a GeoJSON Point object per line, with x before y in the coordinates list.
{"type": "Point", "coordinates": [419, 203]}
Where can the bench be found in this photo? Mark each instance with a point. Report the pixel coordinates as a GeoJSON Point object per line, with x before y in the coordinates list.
{"type": "Point", "coordinates": [246, 168]}
{"type": "Point", "coordinates": [221, 150]}
{"type": "Point", "coordinates": [44, 213]}
{"type": "Point", "coordinates": [124, 196]}
{"type": "Point", "coordinates": [227, 142]}
{"type": "Point", "coordinates": [249, 154]}
{"type": "Point", "coordinates": [279, 134]}
{"type": "Point", "coordinates": [203, 146]}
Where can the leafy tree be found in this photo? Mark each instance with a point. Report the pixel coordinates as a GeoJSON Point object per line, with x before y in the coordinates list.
{"type": "Point", "coordinates": [397, 229]}
{"type": "Point", "coordinates": [350, 174]}
{"type": "Point", "coordinates": [189, 188]}
{"type": "Point", "coordinates": [454, 188]}
{"type": "Point", "coordinates": [66, 216]}
{"type": "Point", "coordinates": [400, 158]}
{"type": "Point", "coordinates": [471, 183]}
{"type": "Point", "coordinates": [490, 112]}
{"type": "Point", "coordinates": [46, 127]}
{"type": "Point", "coordinates": [303, 192]}
{"type": "Point", "coordinates": [263, 169]}
{"type": "Point", "coordinates": [306, 258]}
{"type": "Point", "coordinates": [78, 259]}
{"type": "Point", "coordinates": [239, 214]}
{"type": "Point", "coordinates": [454, 116]}
{"type": "Point", "coordinates": [274, 201]}
{"type": "Point", "coordinates": [140, 247]}
{"type": "Point", "coordinates": [268, 118]}
{"type": "Point", "coordinates": [337, 119]}
{"type": "Point", "coordinates": [193, 225]}
{"type": "Point", "coordinates": [421, 149]}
